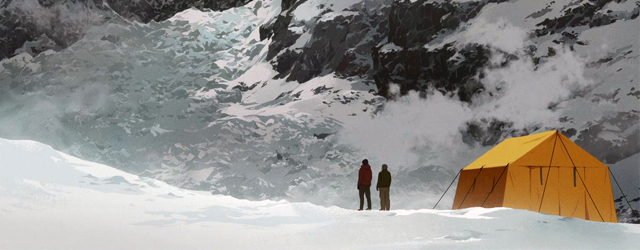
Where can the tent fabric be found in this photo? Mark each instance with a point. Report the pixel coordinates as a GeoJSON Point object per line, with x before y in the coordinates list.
{"type": "Point", "coordinates": [536, 150]}
{"type": "Point", "coordinates": [536, 172]}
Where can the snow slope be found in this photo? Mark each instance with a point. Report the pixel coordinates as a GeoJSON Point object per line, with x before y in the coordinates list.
{"type": "Point", "coordinates": [52, 200]}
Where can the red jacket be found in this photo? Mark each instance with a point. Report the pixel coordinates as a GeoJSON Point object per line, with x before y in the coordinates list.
{"type": "Point", "coordinates": [364, 175]}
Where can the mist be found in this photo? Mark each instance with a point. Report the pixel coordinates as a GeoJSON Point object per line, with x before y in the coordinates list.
{"type": "Point", "coordinates": [412, 131]}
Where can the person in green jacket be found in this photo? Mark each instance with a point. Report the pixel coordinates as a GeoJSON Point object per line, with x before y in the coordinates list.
{"type": "Point", "coordinates": [384, 182]}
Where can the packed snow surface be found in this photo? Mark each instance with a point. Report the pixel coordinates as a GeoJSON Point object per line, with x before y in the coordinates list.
{"type": "Point", "coordinates": [52, 200]}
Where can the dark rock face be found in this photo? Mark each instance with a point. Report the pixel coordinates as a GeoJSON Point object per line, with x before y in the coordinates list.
{"type": "Point", "coordinates": [14, 33]}
{"type": "Point", "coordinates": [153, 10]}
{"type": "Point", "coordinates": [414, 24]}
{"type": "Point", "coordinates": [278, 30]}
{"type": "Point", "coordinates": [36, 26]}
{"type": "Point", "coordinates": [340, 44]}
{"type": "Point", "coordinates": [404, 60]}
{"type": "Point", "coordinates": [419, 68]}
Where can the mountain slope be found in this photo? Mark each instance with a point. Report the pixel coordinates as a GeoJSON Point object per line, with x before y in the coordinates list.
{"type": "Point", "coordinates": [52, 200]}
{"type": "Point", "coordinates": [283, 99]}
{"type": "Point", "coordinates": [34, 26]}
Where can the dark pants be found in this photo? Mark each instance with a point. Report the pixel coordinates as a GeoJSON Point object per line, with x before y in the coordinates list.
{"type": "Point", "coordinates": [385, 202]}
{"type": "Point", "coordinates": [365, 190]}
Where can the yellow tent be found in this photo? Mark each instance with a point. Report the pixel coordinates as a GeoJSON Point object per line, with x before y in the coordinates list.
{"type": "Point", "coordinates": [543, 172]}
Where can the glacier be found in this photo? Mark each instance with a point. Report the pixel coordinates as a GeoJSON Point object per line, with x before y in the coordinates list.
{"type": "Point", "coordinates": [52, 200]}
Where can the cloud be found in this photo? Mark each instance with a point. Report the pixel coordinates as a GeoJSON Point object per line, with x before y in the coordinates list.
{"type": "Point", "coordinates": [411, 131]}
{"type": "Point", "coordinates": [523, 91]}
{"type": "Point", "coordinates": [500, 35]}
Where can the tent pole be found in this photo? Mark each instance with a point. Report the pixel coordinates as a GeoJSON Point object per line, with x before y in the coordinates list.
{"type": "Point", "coordinates": [494, 184]}
{"type": "Point", "coordinates": [633, 211]}
{"type": "Point", "coordinates": [544, 190]}
{"type": "Point", "coordinates": [472, 184]}
{"type": "Point", "coordinates": [445, 192]}
{"type": "Point", "coordinates": [594, 203]}
{"type": "Point", "coordinates": [583, 184]}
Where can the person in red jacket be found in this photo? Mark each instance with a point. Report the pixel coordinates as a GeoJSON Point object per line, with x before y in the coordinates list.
{"type": "Point", "coordinates": [364, 184]}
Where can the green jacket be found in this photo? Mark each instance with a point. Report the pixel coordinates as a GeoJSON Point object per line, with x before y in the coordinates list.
{"type": "Point", "coordinates": [384, 179]}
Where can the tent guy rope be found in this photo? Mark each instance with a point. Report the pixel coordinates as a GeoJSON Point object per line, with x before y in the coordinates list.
{"type": "Point", "coordinates": [544, 190]}
{"type": "Point", "coordinates": [585, 185]}
{"type": "Point", "coordinates": [445, 191]}
{"type": "Point", "coordinates": [472, 184]}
